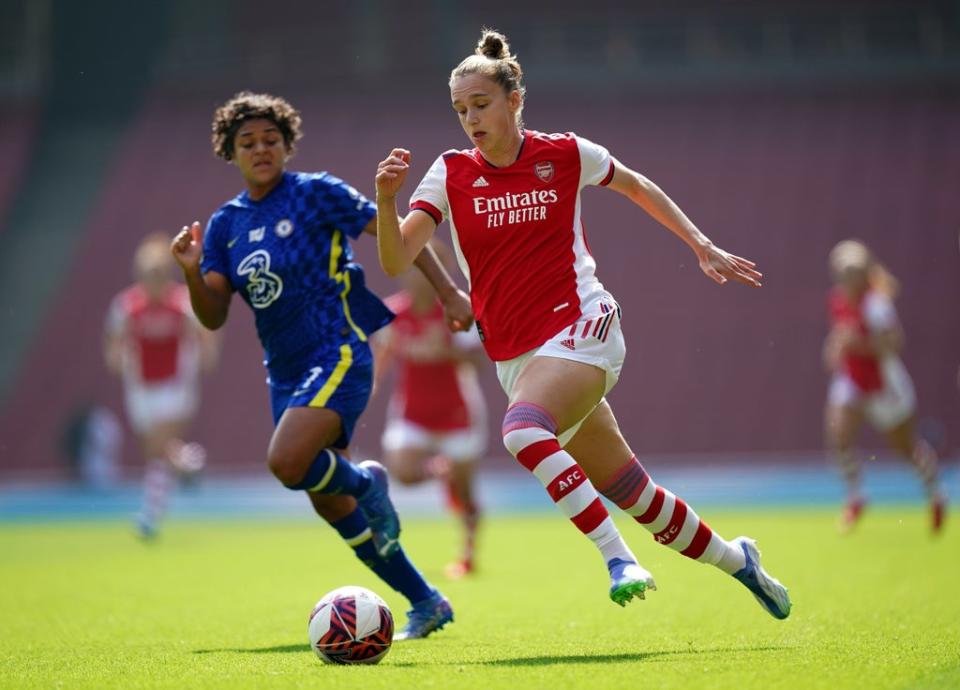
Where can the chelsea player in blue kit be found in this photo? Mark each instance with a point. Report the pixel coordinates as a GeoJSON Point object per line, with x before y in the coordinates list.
{"type": "Point", "coordinates": [283, 245]}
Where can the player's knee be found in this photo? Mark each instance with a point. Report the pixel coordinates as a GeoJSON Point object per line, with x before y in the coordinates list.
{"type": "Point", "coordinates": [285, 467]}
{"type": "Point", "coordinates": [512, 444]}
{"type": "Point", "coordinates": [525, 424]}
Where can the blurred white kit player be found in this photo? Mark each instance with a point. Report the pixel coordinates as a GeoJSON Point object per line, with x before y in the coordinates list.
{"type": "Point", "coordinates": [99, 443]}
{"type": "Point", "coordinates": [154, 342]}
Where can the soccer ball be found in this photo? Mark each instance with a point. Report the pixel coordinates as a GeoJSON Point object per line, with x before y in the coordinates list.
{"type": "Point", "coordinates": [351, 625]}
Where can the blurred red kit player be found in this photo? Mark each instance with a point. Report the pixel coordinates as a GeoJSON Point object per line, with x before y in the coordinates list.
{"type": "Point", "coordinates": [157, 347]}
{"type": "Point", "coordinates": [437, 421]}
{"type": "Point", "coordinates": [868, 379]}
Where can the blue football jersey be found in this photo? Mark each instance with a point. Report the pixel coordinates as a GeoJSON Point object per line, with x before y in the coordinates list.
{"type": "Point", "coordinates": [289, 257]}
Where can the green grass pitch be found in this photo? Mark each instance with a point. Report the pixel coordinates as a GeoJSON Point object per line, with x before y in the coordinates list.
{"type": "Point", "coordinates": [224, 604]}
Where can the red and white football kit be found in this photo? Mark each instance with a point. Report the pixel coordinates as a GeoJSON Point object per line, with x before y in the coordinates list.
{"type": "Point", "coordinates": [882, 385]}
{"type": "Point", "coordinates": [437, 404]}
{"type": "Point", "coordinates": [520, 242]}
{"type": "Point", "coordinates": [160, 357]}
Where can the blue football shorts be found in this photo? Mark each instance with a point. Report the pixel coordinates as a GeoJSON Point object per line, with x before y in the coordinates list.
{"type": "Point", "coordinates": [341, 381]}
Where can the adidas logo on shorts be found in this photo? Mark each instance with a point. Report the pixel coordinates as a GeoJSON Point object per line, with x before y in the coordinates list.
{"type": "Point", "coordinates": [569, 343]}
{"type": "Point", "coordinates": [480, 182]}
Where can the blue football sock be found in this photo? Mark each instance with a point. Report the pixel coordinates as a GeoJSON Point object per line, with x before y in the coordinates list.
{"type": "Point", "coordinates": [330, 473]}
{"type": "Point", "coordinates": [397, 570]}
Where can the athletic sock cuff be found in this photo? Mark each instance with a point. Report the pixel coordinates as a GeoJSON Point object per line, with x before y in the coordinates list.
{"type": "Point", "coordinates": [625, 486]}
{"type": "Point", "coordinates": [523, 415]}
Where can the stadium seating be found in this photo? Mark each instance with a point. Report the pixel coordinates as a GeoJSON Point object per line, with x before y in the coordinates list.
{"type": "Point", "coordinates": [776, 178]}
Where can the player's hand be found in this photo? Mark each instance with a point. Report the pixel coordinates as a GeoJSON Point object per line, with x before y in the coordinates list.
{"type": "Point", "coordinates": [392, 172]}
{"type": "Point", "coordinates": [187, 246]}
{"type": "Point", "coordinates": [722, 266]}
{"type": "Point", "coordinates": [457, 311]}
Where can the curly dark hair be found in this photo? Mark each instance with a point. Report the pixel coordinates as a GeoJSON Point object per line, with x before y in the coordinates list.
{"type": "Point", "coordinates": [245, 106]}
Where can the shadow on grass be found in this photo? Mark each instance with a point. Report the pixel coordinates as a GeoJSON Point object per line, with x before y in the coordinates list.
{"type": "Point", "coordinates": [552, 659]}
{"type": "Point", "coordinates": [278, 649]}
{"type": "Point", "coordinates": [546, 660]}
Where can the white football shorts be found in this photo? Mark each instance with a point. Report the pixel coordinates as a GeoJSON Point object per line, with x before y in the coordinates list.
{"type": "Point", "coordinates": [884, 409]}
{"type": "Point", "coordinates": [460, 445]}
{"type": "Point", "coordinates": [595, 339]}
{"type": "Point", "coordinates": [149, 405]}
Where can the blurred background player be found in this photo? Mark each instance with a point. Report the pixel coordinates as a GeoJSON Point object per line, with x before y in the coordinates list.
{"type": "Point", "coordinates": [283, 244]}
{"type": "Point", "coordinates": [92, 440]}
{"type": "Point", "coordinates": [869, 381]}
{"type": "Point", "coordinates": [436, 420]}
{"type": "Point", "coordinates": [513, 202]}
{"type": "Point", "coordinates": [159, 350]}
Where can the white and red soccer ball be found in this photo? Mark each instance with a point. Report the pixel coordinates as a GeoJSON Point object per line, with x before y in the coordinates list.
{"type": "Point", "coordinates": [351, 625]}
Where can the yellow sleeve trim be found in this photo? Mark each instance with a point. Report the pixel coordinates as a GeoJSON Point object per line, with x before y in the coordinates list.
{"type": "Point", "coordinates": [336, 250]}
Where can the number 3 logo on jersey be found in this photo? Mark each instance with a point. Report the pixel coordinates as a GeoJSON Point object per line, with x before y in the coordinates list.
{"type": "Point", "coordinates": [263, 286]}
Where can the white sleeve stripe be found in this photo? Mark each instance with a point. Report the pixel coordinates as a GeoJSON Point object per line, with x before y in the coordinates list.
{"type": "Point", "coordinates": [595, 163]}
{"type": "Point", "coordinates": [432, 191]}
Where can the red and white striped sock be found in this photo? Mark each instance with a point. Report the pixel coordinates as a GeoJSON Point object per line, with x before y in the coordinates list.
{"type": "Point", "coordinates": [529, 433]}
{"type": "Point", "coordinates": [156, 490]}
{"type": "Point", "coordinates": [671, 521]}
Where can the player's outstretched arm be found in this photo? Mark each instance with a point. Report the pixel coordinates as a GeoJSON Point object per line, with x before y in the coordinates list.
{"type": "Point", "coordinates": [457, 309]}
{"type": "Point", "coordinates": [715, 262]}
{"type": "Point", "coordinates": [381, 345]}
{"type": "Point", "coordinates": [209, 294]}
{"type": "Point", "coordinates": [209, 348]}
{"type": "Point", "coordinates": [398, 243]}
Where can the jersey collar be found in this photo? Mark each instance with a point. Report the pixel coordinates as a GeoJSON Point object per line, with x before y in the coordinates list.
{"type": "Point", "coordinates": [523, 143]}
{"type": "Point", "coordinates": [243, 199]}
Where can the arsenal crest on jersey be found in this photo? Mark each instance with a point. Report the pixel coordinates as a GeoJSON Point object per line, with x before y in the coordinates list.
{"type": "Point", "coordinates": [544, 170]}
